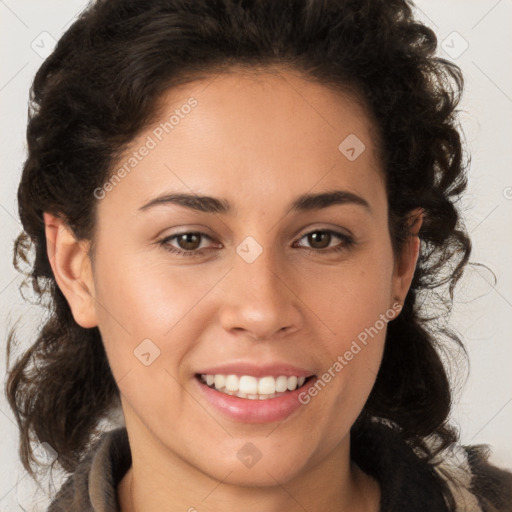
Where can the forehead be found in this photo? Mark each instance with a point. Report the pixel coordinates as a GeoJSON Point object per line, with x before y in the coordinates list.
{"type": "Point", "coordinates": [253, 134]}
{"type": "Point", "coordinates": [291, 114]}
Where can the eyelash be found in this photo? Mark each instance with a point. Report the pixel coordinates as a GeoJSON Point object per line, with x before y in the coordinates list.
{"type": "Point", "coordinates": [347, 243]}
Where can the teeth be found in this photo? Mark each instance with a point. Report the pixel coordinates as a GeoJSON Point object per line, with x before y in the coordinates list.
{"type": "Point", "coordinates": [220, 381]}
{"type": "Point", "coordinates": [247, 384]}
{"type": "Point", "coordinates": [292, 383]}
{"type": "Point", "coordinates": [251, 387]}
{"type": "Point", "coordinates": [281, 384]}
{"type": "Point", "coordinates": [267, 386]}
{"type": "Point", "coordinates": [231, 383]}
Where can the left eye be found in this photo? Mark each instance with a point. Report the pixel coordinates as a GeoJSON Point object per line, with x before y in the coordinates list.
{"type": "Point", "coordinates": [321, 238]}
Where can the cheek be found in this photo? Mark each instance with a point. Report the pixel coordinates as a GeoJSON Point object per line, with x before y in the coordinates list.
{"type": "Point", "coordinates": [356, 323]}
{"type": "Point", "coordinates": [351, 296]}
{"type": "Point", "coordinates": [141, 308]}
{"type": "Point", "coordinates": [150, 299]}
{"type": "Point", "coordinates": [153, 308]}
{"type": "Point", "coordinates": [352, 302]}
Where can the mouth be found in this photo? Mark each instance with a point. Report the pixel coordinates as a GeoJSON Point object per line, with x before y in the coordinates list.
{"type": "Point", "coordinates": [250, 387]}
{"type": "Point", "coordinates": [248, 392]}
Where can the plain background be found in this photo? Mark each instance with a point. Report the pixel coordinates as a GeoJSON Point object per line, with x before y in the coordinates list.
{"type": "Point", "coordinates": [477, 35]}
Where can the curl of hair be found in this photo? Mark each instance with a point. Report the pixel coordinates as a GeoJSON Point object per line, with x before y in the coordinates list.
{"type": "Point", "coordinates": [102, 85]}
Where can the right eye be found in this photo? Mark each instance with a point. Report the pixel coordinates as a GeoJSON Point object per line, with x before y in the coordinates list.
{"type": "Point", "coordinates": [189, 243]}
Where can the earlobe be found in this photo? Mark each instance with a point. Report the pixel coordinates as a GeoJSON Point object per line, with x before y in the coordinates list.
{"type": "Point", "coordinates": [406, 262]}
{"type": "Point", "coordinates": [71, 267]}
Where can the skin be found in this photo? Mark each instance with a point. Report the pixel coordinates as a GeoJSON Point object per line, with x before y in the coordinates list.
{"type": "Point", "coordinates": [258, 141]}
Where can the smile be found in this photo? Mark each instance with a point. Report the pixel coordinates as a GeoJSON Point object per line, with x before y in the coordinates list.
{"type": "Point", "coordinates": [253, 388]}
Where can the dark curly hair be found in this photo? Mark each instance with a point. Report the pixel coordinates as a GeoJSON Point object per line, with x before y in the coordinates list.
{"type": "Point", "coordinates": [101, 87]}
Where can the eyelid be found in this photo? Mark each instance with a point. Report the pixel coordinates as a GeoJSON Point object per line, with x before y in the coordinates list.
{"type": "Point", "coordinates": [185, 229]}
{"type": "Point", "coordinates": [338, 230]}
{"type": "Point", "coordinates": [166, 239]}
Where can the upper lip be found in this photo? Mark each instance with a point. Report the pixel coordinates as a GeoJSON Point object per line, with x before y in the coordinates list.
{"type": "Point", "coordinates": [257, 370]}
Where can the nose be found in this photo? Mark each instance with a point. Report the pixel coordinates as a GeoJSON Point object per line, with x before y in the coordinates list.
{"type": "Point", "coordinates": [261, 299]}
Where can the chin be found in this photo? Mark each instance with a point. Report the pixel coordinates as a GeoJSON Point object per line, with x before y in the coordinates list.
{"type": "Point", "coordinates": [260, 475]}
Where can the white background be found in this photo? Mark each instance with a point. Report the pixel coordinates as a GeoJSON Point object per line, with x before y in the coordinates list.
{"type": "Point", "coordinates": [483, 309]}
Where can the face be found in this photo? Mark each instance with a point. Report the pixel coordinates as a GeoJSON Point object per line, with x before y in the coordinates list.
{"type": "Point", "coordinates": [288, 272]}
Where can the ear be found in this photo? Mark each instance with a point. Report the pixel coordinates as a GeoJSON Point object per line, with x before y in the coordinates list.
{"type": "Point", "coordinates": [405, 263]}
{"type": "Point", "coordinates": [72, 269]}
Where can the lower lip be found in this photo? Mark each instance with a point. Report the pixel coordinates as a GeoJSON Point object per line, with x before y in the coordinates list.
{"type": "Point", "coordinates": [255, 411]}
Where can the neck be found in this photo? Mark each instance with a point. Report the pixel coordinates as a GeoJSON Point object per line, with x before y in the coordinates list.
{"type": "Point", "coordinates": [333, 484]}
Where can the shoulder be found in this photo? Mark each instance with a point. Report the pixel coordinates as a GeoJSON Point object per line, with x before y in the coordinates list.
{"type": "Point", "coordinates": [475, 484]}
{"type": "Point", "coordinates": [492, 485]}
{"type": "Point", "coordinates": [406, 481]}
{"type": "Point", "coordinates": [93, 485]}
{"type": "Point", "coordinates": [409, 482]}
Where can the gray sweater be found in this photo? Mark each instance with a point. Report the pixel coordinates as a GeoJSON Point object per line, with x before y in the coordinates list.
{"type": "Point", "coordinates": [407, 483]}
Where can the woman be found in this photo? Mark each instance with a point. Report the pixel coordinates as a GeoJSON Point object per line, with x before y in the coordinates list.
{"type": "Point", "coordinates": [239, 211]}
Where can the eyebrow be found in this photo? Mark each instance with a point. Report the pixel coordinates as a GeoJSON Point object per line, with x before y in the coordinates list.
{"type": "Point", "coordinates": [305, 202]}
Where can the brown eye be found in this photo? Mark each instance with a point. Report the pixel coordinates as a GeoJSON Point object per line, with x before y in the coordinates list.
{"type": "Point", "coordinates": [189, 241]}
{"type": "Point", "coordinates": [186, 244]}
{"type": "Point", "coordinates": [319, 239]}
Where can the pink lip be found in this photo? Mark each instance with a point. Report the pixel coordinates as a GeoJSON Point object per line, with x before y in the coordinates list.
{"type": "Point", "coordinates": [254, 411]}
{"type": "Point", "coordinates": [268, 370]}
